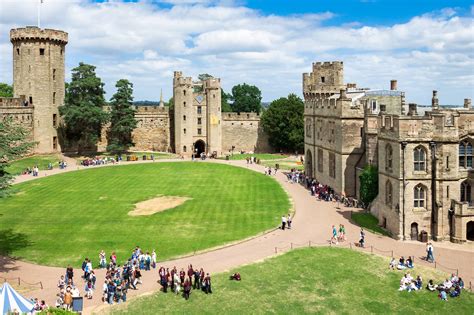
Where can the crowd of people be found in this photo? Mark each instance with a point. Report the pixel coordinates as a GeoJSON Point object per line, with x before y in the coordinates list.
{"type": "Point", "coordinates": [184, 281]}
{"type": "Point", "coordinates": [98, 160]}
{"type": "Point", "coordinates": [451, 287]}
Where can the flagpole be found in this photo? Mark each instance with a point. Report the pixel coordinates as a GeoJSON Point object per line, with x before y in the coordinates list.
{"type": "Point", "coordinates": [39, 13]}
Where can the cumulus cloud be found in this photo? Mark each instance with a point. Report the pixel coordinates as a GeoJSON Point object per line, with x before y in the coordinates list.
{"type": "Point", "coordinates": [146, 41]}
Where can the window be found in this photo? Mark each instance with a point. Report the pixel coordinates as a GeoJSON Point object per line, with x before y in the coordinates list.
{"type": "Point", "coordinates": [447, 191]}
{"type": "Point", "coordinates": [465, 192]}
{"type": "Point", "coordinates": [54, 97]}
{"type": "Point", "coordinates": [184, 148]}
{"type": "Point", "coordinates": [55, 143]}
{"type": "Point", "coordinates": [199, 120]}
{"type": "Point", "coordinates": [373, 105]}
{"type": "Point", "coordinates": [54, 74]}
{"type": "Point", "coordinates": [184, 117]}
{"type": "Point", "coordinates": [388, 193]}
{"type": "Point", "coordinates": [320, 160]}
{"type": "Point", "coordinates": [18, 51]}
{"type": "Point", "coordinates": [199, 110]}
{"type": "Point", "coordinates": [447, 163]}
{"type": "Point", "coordinates": [41, 51]}
{"type": "Point", "coordinates": [308, 128]}
{"type": "Point", "coordinates": [31, 100]}
{"type": "Point", "coordinates": [184, 104]}
{"type": "Point", "coordinates": [61, 51]}
{"type": "Point", "coordinates": [419, 156]}
{"type": "Point", "coordinates": [213, 95]}
{"type": "Point", "coordinates": [184, 92]}
{"type": "Point", "coordinates": [199, 131]}
{"type": "Point", "coordinates": [465, 155]}
{"type": "Point", "coordinates": [388, 157]}
{"type": "Point", "coordinates": [323, 79]}
{"type": "Point", "coordinates": [184, 130]}
{"type": "Point", "coordinates": [419, 197]}
{"type": "Point", "coordinates": [383, 107]}
{"type": "Point", "coordinates": [55, 120]}
{"type": "Point", "coordinates": [332, 165]}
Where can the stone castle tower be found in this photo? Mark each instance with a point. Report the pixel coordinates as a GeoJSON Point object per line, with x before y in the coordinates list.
{"type": "Point", "coordinates": [197, 115]}
{"type": "Point", "coordinates": [38, 76]}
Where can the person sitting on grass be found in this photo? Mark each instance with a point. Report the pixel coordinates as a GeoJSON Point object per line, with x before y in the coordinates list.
{"type": "Point", "coordinates": [431, 286]}
{"type": "Point", "coordinates": [446, 285]}
{"type": "Point", "coordinates": [401, 263]}
{"type": "Point", "coordinates": [454, 279]}
{"type": "Point", "coordinates": [461, 283]}
{"type": "Point", "coordinates": [235, 276]}
{"type": "Point", "coordinates": [409, 262]}
{"type": "Point", "coordinates": [419, 282]}
{"type": "Point", "coordinates": [443, 295]}
{"type": "Point", "coordinates": [393, 264]}
{"type": "Point", "coordinates": [456, 292]}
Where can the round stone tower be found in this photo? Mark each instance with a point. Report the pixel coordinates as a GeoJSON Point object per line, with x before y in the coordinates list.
{"type": "Point", "coordinates": [38, 75]}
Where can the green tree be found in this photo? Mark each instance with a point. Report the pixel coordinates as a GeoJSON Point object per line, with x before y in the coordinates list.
{"type": "Point", "coordinates": [122, 118]}
{"type": "Point", "coordinates": [204, 76]}
{"type": "Point", "coordinates": [225, 97]}
{"type": "Point", "coordinates": [170, 103]}
{"type": "Point", "coordinates": [83, 112]}
{"type": "Point", "coordinates": [6, 90]}
{"type": "Point", "coordinates": [369, 184]}
{"type": "Point", "coordinates": [246, 98]}
{"type": "Point", "coordinates": [283, 122]}
{"type": "Point", "coordinates": [13, 145]}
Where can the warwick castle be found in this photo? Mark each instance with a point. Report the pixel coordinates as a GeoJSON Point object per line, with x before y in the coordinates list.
{"type": "Point", "coordinates": [424, 161]}
{"type": "Point", "coordinates": [196, 125]}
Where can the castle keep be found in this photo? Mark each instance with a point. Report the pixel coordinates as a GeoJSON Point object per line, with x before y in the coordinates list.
{"type": "Point", "coordinates": [196, 125]}
{"type": "Point", "coordinates": [425, 167]}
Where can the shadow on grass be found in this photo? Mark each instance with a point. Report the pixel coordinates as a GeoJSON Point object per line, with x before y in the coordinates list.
{"type": "Point", "coordinates": [10, 241]}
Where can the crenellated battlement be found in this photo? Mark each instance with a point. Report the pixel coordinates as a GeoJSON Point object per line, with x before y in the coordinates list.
{"type": "Point", "coordinates": [14, 102]}
{"type": "Point", "coordinates": [212, 83]}
{"type": "Point", "coordinates": [240, 116]}
{"type": "Point", "coordinates": [152, 109]}
{"type": "Point", "coordinates": [35, 33]}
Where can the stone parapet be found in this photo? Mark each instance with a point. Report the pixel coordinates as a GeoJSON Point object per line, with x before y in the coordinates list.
{"type": "Point", "coordinates": [240, 116]}
{"type": "Point", "coordinates": [14, 102]}
{"type": "Point", "coordinates": [35, 33]}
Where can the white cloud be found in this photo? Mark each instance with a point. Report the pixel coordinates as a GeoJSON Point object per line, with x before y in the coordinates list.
{"type": "Point", "coordinates": [146, 41]}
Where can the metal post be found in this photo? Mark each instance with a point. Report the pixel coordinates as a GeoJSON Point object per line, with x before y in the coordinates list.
{"type": "Point", "coordinates": [275, 250]}
{"type": "Point", "coordinates": [309, 244]}
{"type": "Point", "coordinates": [41, 284]}
{"type": "Point", "coordinates": [291, 245]}
{"type": "Point", "coordinates": [350, 245]}
{"type": "Point", "coordinates": [371, 249]}
{"type": "Point", "coordinates": [392, 253]}
{"type": "Point", "coordinates": [19, 281]}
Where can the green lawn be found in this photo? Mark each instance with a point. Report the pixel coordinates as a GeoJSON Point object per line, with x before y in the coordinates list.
{"type": "Point", "coordinates": [368, 222]}
{"type": "Point", "coordinates": [63, 218]}
{"type": "Point", "coordinates": [309, 281]}
{"type": "Point", "coordinates": [261, 156]}
{"type": "Point", "coordinates": [42, 161]}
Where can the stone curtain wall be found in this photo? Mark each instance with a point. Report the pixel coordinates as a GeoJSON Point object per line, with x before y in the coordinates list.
{"type": "Point", "coordinates": [21, 114]}
{"type": "Point", "coordinates": [243, 131]}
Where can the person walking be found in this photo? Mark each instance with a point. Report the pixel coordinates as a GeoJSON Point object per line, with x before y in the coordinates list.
{"type": "Point", "coordinates": [429, 252]}
{"type": "Point", "coordinates": [334, 235]}
{"type": "Point", "coordinates": [283, 222]}
{"type": "Point", "coordinates": [362, 238]}
{"type": "Point", "coordinates": [288, 221]}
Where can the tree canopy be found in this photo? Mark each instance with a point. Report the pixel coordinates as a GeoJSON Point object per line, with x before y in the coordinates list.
{"type": "Point", "coordinates": [122, 118]}
{"type": "Point", "coordinates": [284, 123]}
{"type": "Point", "coordinates": [369, 184]}
{"type": "Point", "coordinates": [13, 145]}
{"type": "Point", "coordinates": [6, 90]}
{"type": "Point", "coordinates": [83, 112]}
{"type": "Point", "coordinates": [246, 98]}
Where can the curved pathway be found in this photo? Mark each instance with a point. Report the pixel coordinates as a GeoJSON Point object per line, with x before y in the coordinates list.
{"type": "Point", "coordinates": [311, 225]}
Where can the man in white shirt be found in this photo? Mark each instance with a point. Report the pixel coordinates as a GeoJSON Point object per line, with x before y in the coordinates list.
{"type": "Point", "coordinates": [283, 222]}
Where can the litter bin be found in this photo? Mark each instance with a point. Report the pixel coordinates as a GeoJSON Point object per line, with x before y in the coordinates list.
{"type": "Point", "coordinates": [424, 236]}
{"type": "Point", "coordinates": [144, 158]}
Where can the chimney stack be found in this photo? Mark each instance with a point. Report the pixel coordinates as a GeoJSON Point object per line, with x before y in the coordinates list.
{"type": "Point", "coordinates": [467, 103]}
{"type": "Point", "coordinates": [343, 94]}
{"type": "Point", "coordinates": [393, 85]}
{"type": "Point", "coordinates": [434, 100]}
{"type": "Point", "coordinates": [412, 109]}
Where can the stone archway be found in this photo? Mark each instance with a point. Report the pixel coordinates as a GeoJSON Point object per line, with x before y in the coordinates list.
{"type": "Point", "coordinates": [308, 167]}
{"type": "Point", "coordinates": [414, 231]}
{"type": "Point", "coordinates": [470, 231]}
{"type": "Point", "coordinates": [199, 147]}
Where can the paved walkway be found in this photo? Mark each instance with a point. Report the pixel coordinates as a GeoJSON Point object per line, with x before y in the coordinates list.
{"type": "Point", "coordinates": [312, 223]}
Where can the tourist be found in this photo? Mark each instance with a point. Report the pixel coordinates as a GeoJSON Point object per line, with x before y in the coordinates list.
{"type": "Point", "coordinates": [456, 292]}
{"type": "Point", "coordinates": [431, 286]}
{"type": "Point", "coordinates": [104, 291]}
{"type": "Point", "coordinates": [182, 275]}
{"type": "Point", "coordinates": [283, 222]}
{"type": "Point", "coordinates": [113, 259]}
{"type": "Point", "coordinates": [446, 285]}
{"type": "Point", "coordinates": [235, 276]}
{"type": "Point", "coordinates": [197, 282]}
{"type": "Point", "coordinates": [419, 282]}
{"type": "Point", "coordinates": [111, 292]}
{"type": "Point", "coordinates": [102, 259]}
{"type": "Point", "coordinates": [334, 236]}
{"type": "Point", "coordinates": [176, 282]}
{"type": "Point", "coordinates": [69, 274]}
{"type": "Point", "coordinates": [61, 282]}
{"type": "Point", "coordinates": [187, 288]}
{"type": "Point", "coordinates": [443, 295]}
{"type": "Point", "coordinates": [393, 264]}
{"type": "Point", "coordinates": [207, 284]}
{"type": "Point", "coordinates": [342, 233]}
{"type": "Point", "coordinates": [461, 283]}
{"type": "Point", "coordinates": [68, 299]}
{"type": "Point", "coordinates": [88, 289]}
{"type": "Point", "coordinates": [409, 262]}
{"type": "Point", "coordinates": [147, 261]}
{"type": "Point", "coordinates": [362, 238]}
{"type": "Point", "coordinates": [288, 221]}
{"type": "Point", "coordinates": [59, 301]}
{"type": "Point", "coordinates": [429, 252]}
{"type": "Point", "coordinates": [153, 259]}
{"type": "Point", "coordinates": [401, 263]}
{"type": "Point", "coordinates": [190, 272]}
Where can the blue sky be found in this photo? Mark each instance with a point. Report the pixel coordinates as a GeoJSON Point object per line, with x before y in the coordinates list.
{"type": "Point", "coordinates": [426, 45]}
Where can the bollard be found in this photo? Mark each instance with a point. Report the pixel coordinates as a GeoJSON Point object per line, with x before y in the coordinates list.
{"type": "Point", "coordinates": [41, 284]}
{"type": "Point", "coordinates": [457, 272]}
{"type": "Point", "coordinates": [275, 250]}
{"type": "Point", "coordinates": [392, 253]}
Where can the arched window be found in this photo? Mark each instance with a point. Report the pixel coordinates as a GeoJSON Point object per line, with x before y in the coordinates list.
{"type": "Point", "coordinates": [388, 157]}
{"type": "Point", "coordinates": [465, 191]}
{"type": "Point", "coordinates": [465, 154]}
{"type": "Point", "coordinates": [184, 148]}
{"type": "Point", "coordinates": [419, 159]}
{"type": "Point", "coordinates": [419, 196]}
{"type": "Point", "coordinates": [388, 193]}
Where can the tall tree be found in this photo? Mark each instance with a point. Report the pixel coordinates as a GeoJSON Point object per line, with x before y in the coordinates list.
{"type": "Point", "coordinates": [225, 97]}
{"type": "Point", "coordinates": [122, 118]}
{"type": "Point", "coordinates": [284, 123]}
{"type": "Point", "coordinates": [6, 90]}
{"type": "Point", "coordinates": [13, 145]}
{"type": "Point", "coordinates": [246, 98]}
{"type": "Point", "coordinates": [83, 112]}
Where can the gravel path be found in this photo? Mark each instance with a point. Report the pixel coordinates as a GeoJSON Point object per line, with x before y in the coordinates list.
{"type": "Point", "coordinates": [311, 225]}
